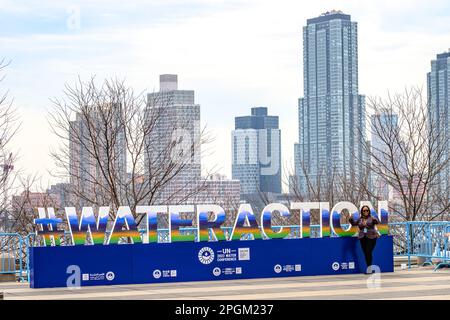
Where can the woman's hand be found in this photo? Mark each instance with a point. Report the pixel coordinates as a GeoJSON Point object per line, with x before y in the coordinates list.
{"type": "Point", "coordinates": [350, 218]}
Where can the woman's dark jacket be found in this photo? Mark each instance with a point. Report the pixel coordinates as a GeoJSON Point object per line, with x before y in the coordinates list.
{"type": "Point", "coordinates": [371, 232]}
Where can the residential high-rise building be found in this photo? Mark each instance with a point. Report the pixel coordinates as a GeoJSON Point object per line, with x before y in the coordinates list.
{"type": "Point", "coordinates": [438, 83]}
{"type": "Point", "coordinates": [385, 126]}
{"type": "Point", "coordinates": [62, 191]}
{"type": "Point", "coordinates": [176, 138]}
{"type": "Point", "coordinates": [90, 154]}
{"type": "Point", "coordinates": [176, 119]}
{"type": "Point", "coordinates": [331, 113]}
{"type": "Point", "coordinates": [220, 190]}
{"type": "Point", "coordinates": [256, 153]}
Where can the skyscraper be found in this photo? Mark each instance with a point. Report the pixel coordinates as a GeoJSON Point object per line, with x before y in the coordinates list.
{"type": "Point", "coordinates": [438, 83]}
{"type": "Point", "coordinates": [332, 113]}
{"type": "Point", "coordinates": [90, 153]}
{"type": "Point", "coordinates": [256, 153]}
{"type": "Point", "coordinates": [174, 149]}
{"type": "Point", "coordinates": [380, 151]}
{"type": "Point", "coordinates": [175, 118]}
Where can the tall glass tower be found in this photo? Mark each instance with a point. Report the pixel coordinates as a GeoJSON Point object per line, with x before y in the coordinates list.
{"type": "Point", "coordinates": [256, 153]}
{"type": "Point", "coordinates": [438, 81]}
{"type": "Point", "coordinates": [379, 151]}
{"type": "Point", "coordinates": [331, 114]}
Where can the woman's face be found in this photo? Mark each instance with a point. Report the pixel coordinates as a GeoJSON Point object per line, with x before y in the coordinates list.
{"type": "Point", "coordinates": [365, 212]}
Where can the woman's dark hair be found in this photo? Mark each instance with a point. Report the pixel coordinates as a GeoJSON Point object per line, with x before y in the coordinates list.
{"type": "Point", "coordinates": [362, 208]}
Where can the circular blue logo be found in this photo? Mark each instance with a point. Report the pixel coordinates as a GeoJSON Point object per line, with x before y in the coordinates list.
{"type": "Point", "coordinates": [206, 255]}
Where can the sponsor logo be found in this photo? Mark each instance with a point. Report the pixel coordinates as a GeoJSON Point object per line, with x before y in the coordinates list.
{"type": "Point", "coordinates": [227, 254]}
{"type": "Point", "coordinates": [343, 265]}
{"type": "Point", "coordinates": [335, 266]}
{"type": "Point", "coordinates": [94, 276]}
{"type": "Point", "coordinates": [227, 271]}
{"type": "Point", "coordinates": [287, 268]}
{"type": "Point", "coordinates": [164, 274]}
{"type": "Point", "coordinates": [157, 274]}
{"type": "Point", "coordinates": [206, 255]}
{"type": "Point", "coordinates": [244, 254]}
{"type": "Point", "coordinates": [217, 272]}
{"type": "Point", "coordinates": [110, 276]}
{"type": "Point", "coordinates": [278, 268]}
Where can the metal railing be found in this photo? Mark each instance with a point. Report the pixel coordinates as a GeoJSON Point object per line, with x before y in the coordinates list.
{"type": "Point", "coordinates": [12, 254]}
{"type": "Point", "coordinates": [428, 240]}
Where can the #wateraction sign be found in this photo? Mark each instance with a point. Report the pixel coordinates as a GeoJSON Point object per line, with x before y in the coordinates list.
{"type": "Point", "coordinates": [110, 249]}
{"type": "Point", "coordinates": [85, 228]}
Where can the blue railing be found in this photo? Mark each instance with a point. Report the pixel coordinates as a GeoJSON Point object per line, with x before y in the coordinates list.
{"type": "Point", "coordinates": [12, 255]}
{"type": "Point", "coordinates": [429, 240]}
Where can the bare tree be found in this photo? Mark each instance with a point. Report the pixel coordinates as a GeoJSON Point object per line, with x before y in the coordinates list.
{"type": "Point", "coordinates": [23, 205]}
{"type": "Point", "coordinates": [408, 152]}
{"type": "Point", "coordinates": [9, 126]}
{"type": "Point", "coordinates": [117, 147]}
{"type": "Point", "coordinates": [327, 185]}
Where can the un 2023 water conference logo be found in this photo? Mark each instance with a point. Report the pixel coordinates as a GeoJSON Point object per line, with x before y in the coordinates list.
{"type": "Point", "coordinates": [206, 255]}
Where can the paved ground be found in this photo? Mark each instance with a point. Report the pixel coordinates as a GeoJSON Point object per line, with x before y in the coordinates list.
{"type": "Point", "coordinates": [417, 283]}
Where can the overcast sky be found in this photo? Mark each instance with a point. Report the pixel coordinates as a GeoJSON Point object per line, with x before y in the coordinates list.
{"type": "Point", "coordinates": [234, 54]}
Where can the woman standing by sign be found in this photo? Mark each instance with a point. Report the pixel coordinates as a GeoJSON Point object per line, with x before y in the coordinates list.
{"type": "Point", "coordinates": [368, 233]}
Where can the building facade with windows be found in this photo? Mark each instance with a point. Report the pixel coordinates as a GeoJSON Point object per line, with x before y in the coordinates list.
{"type": "Point", "coordinates": [331, 113]}
{"type": "Point", "coordinates": [93, 157]}
{"type": "Point", "coordinates": [438, 84]}
{"type": "Point", "coordinates": [256, 153]}
{"type": "Point", "coordinates": [176, 138]}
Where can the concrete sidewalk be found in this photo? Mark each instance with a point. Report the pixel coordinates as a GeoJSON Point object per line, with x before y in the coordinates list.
{"type": "Point", "coordinates": [417, 283]}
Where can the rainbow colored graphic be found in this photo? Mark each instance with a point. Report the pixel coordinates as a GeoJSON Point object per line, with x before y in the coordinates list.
{"type": "Point", "coordinates": [87, 225]}
{"type": "Point", "coordinates": [337, 227]}
{"type": "Point", "coordinates": [325, 230]}
{"type": "Point", "coordinates": [382, 215]}
{"type": "Point", "coordinates": [383, 226]}
{"type": "Point", "coordinates": [266, 218]}
{"type": "Point", "coordinates": [87, 228]}
{"type": "Point", "coordinates": [205, 227]}
{"type": "Point", "coordinates": [245, 215]}
{"type": "Point", "coordinates": [152, 227]}
{"type": "Point", "coordinates": [305, 224]}
{"type": "Point", "coordinates": [176, 235]}
{"type": "Point", "coordinates": [124, 219]}
{"type": "Point", "coordinates": [151, 212]}
{"type": "Point", "coordinates": [49, 230]}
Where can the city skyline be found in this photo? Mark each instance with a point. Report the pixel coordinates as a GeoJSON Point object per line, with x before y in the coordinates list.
{"type": "Point", "coordinates": [280, 87]}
